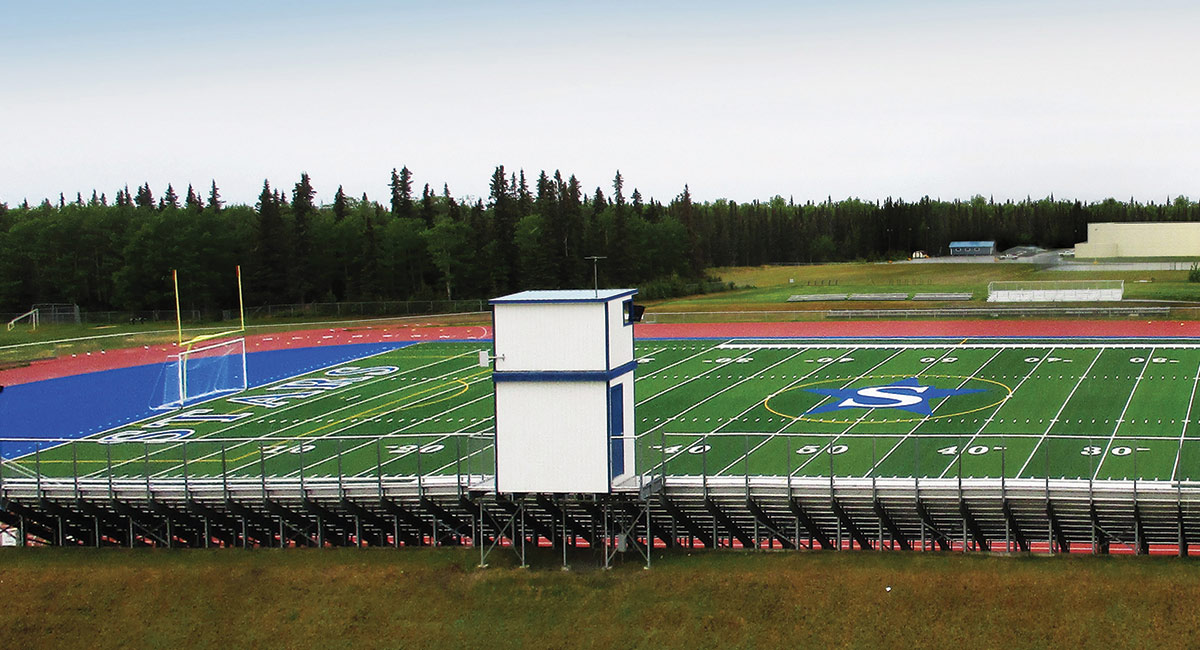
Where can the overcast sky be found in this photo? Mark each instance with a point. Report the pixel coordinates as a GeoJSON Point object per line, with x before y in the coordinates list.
{"type": "Point", "coordinates": [740, 100]}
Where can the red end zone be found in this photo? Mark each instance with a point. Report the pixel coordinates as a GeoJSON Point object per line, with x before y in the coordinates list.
{"type": "Point", "coordinates": [121, 358]}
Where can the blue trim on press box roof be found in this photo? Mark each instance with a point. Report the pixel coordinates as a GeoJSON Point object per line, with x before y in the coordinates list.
{"type": "Point", "coordinates": [971, 244]}
{"type": "Point", "coordinates": [563, 375]}
{"type": "Point", "coordinates": [566, 295]}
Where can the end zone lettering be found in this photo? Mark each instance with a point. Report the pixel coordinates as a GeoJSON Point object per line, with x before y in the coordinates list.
{"type": "Point", "coordinates": [304, 388]}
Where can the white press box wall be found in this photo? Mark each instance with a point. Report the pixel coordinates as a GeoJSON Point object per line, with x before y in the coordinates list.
{"type": "Point", "coordinates": [563, 382]}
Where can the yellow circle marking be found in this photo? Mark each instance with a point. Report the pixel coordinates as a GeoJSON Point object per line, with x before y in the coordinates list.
{"type": "Point", "coordinates": [767, 402]}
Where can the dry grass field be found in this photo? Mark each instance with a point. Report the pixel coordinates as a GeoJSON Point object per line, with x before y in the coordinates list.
{"type": "Point", "coordinates": [79, 598]}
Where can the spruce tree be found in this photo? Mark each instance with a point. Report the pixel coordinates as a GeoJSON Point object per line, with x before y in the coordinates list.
{"type": "Point", "coordinates": [144, 198]}
{"type": "Point", "coordinates": [619, 253]}
{"type": "Point", "coordinates": [401, 187]}
{"type": "Point", "coordinates": [303, 212]}
{"type": "Point", "coordinates": [193, 202]}
{"type": "Point", "coordinates": [340, 206]}
{"type": "Point", "coordinates": [269, 271]}
{"type": "Point", "coordinates": [214, 198]}
{"type": "Point", "coordinates": [170, 199]}
{"type": "Point", "coordinates": [504, 217]}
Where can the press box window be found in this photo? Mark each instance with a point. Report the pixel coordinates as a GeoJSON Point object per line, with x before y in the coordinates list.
{"type": "Point", "coordinates": [632, 313]}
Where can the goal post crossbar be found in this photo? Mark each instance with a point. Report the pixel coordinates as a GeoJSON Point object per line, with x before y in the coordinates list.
{"type": "Point", "coordinates": [187, 345]}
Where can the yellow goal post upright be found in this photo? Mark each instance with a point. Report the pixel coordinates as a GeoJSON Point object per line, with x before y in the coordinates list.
{"type": "Point", "coordinates": [207, 365]}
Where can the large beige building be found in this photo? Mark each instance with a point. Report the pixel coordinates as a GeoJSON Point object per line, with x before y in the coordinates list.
{"type": "Point", "coordinates": [1158, 239]}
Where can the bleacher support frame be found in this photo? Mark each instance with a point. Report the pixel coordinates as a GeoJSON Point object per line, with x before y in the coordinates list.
{"type": "Point", "coordinates": [1057, 516]}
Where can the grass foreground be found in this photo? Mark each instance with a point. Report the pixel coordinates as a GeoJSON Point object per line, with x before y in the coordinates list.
{"type": "Point", "coordinates": [61, 598]}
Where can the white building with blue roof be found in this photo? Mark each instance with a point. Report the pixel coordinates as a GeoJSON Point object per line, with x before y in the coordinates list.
{"type": "Point", "coordinates": [972, 248]}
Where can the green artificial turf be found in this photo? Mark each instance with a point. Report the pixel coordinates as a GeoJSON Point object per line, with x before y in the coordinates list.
{"type": "Point", "coordinates": [1031, 408]}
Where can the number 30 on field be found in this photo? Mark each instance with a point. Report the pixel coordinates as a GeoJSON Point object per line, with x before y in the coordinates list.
{"type": "Point", "coordinates": [1097, 451]}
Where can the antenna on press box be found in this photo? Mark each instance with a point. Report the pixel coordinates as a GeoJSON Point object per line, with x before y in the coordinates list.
{"type": "Point", "coordinates": [595, 275]}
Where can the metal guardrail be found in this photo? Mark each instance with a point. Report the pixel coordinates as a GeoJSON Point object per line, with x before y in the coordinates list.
{"type": "Point", "coordinates": [1000, 312]}
{"type": "Point", "coordinates": [790, 315]}
{"type": "Point", "coordinates": [740, 507]}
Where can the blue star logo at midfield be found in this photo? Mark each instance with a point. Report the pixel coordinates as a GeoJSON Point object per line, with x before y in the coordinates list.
{"type": "Point", "coordinates": [906, 395]}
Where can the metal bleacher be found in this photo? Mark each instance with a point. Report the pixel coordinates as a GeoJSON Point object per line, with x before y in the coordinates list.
{"type": "Point", "coordinates": [955, 513]}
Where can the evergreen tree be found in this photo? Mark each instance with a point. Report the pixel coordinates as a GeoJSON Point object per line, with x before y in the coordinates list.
{"type": "Point", "coordinates": [340, 207]}
{"type": "Point", "coordinates": [269, 272]}
{"type": "Point", "coordinates": [193, 202]}
{"type": "Point", "coordinates": [453, 210]}
{"type": "Point", "coordinates": [303, 212]}
{"type": "Point", "coordinates": [573, 270]}
{"type": "Point", "coordinates": [144, 198]}
{"type": "Point", "coordinates": [682, 210]}
{"type": "Point", "coordinates": [427, 206]}
{"type": "Point", "coordinates": [504, 218]}
{"type": "Point", "coordinates": [619, 253]}
{"type": "Point", "coordinates": [214, 198]}
{"type": "Point", "coordinates": [401, 186]}
{"type": "Point", "coordinates": [170, 199]}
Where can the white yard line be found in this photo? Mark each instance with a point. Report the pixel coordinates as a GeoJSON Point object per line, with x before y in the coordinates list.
{"type": "Point", "coordinates": [834, 441]}
{"type": "Point", "coordinates": [437, 439]}
{"type": "Point", "coordinates": [691, 379]}
{"type": "Point", "coordinates": [735, 384]}
{"type": "Point", "coordinates": [1061, 408]}
{"type": "Point", "coordinates": [1121, 419]}
{"type": "Point", "coordinates": [141, 422]}
{"type": "Point", "coordinates": [962, 448]}
{"type": "Point", "coordinates": [1183, 434]}
{"type": "Point", "coordinates": [351, 425]}
{"type": "Point", "coordinates": [925, 419]}
{"type": "Point", "coordinates": [752, 406]}
{"type": "Point", "coordinates": [269, 413]}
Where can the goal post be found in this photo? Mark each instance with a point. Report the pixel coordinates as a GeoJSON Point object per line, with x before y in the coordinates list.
{"type": "Point", "coordinates": [206, 366]}
{"type": "Point", "coordinates": [30, 317]}
{"type": "Point", "coordinates": [202, 372]}
{"type": "Point", "coordinates": [1056, 291]}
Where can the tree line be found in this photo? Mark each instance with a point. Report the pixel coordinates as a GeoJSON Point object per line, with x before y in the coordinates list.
{"type": "Point", "coordinates": [527, 233]}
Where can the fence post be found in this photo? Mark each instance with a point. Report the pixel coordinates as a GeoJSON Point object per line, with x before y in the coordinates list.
{"type": "Point", "coordinates": [75, 468]}
{"type": "Point", "coordinates": [146, 466]}
{"type": "Point", "coordinates": [37, 466]}
{"type": "Point", "coordinates": [262, 470]}
{"type": "Point", "coordinates": [341, 487]}
{"type": "Point", "coordinates": [379, 467]}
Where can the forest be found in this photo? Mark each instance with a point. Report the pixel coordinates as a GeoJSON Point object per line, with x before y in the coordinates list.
{"type": "Point", "coordinates": [528, 233]}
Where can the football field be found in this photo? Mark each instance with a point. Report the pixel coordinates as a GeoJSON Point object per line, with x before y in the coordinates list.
{"type": "Point", "coordinates": [1071, 408]}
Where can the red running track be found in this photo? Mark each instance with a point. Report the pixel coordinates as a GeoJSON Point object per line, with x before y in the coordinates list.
{"type": "Point", "coordinates": [121, 358]}
{"type": "Point", "coordinates": [77, 364]}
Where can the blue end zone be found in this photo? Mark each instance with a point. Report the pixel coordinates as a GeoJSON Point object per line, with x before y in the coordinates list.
{"type": "Point", "coordinates": [78, 406]}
